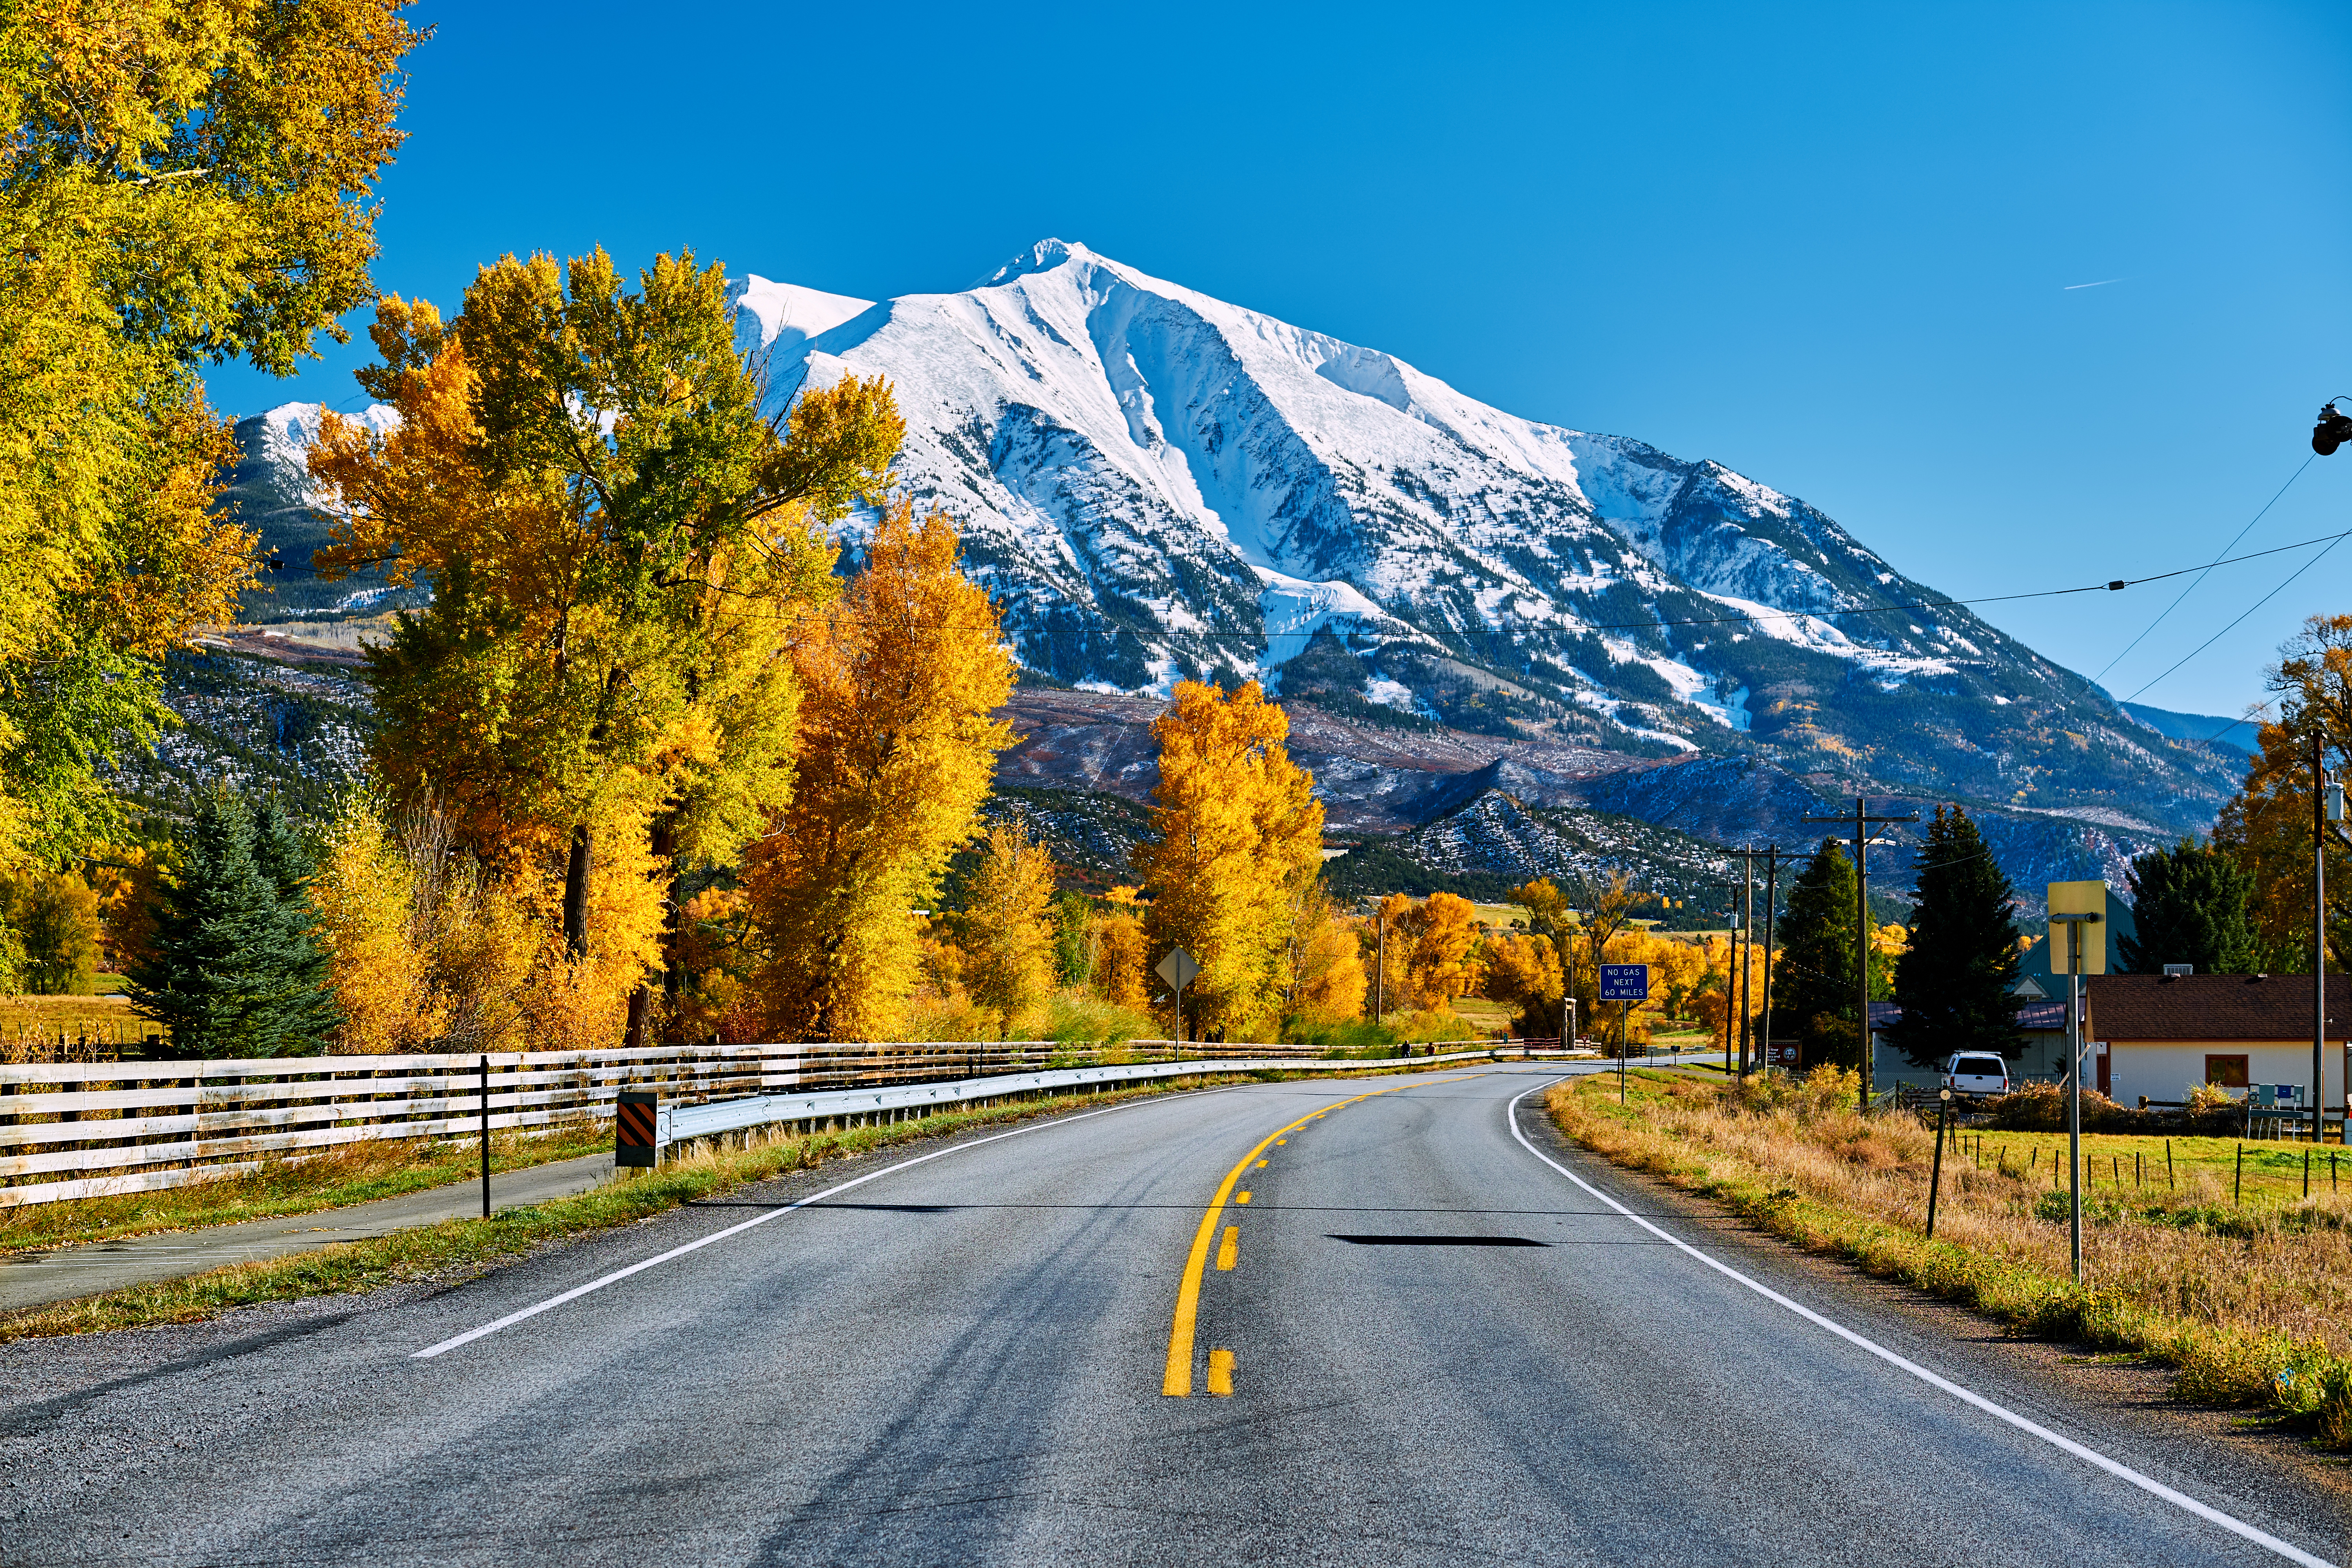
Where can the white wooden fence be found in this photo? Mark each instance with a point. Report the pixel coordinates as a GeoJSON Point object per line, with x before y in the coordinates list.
{"type": "Point", "coordinates": [91, 1129]}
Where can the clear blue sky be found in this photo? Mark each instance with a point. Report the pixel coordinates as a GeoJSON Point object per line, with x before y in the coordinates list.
{"type": "Point", "coordinates": [1831, 247]}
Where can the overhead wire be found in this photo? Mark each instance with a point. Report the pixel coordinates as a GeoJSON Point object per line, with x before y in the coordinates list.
{"type": "Point", "coordinates": [2249, 610]}
{"type": "Point", "coordinates": [2192, 586]}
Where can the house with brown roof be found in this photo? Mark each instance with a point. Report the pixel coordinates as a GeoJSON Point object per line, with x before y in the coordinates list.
{"type": "Point", "coordinates": [2163, 1033]}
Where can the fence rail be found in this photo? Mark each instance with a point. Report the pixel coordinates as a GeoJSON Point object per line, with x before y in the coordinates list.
{"type": "Point", "coordinates": [73, 1130]}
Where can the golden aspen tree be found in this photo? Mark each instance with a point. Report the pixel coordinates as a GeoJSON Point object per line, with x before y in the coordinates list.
{"type": "Point", "coordinates": [368, 921]}
{"type": "Point", "coordinates": [1121, 968]}
{"type": "Point", "coordinates": [622, 547]}
{"type": "Point", "coordinates": [897, 749]}
{"type": "Point", "coordinates": [1439, 935]}
{"type": "Point", "coordinates": [1523, 970]}
{"type": "Point", "coordinates": [1005, 931]}
{"type": "Point", "coordinates": [179, 184]}
{"type": "Point", "coordinates": [1241, 834]}
{"type": "Point", "coordinates": [1327, 979]}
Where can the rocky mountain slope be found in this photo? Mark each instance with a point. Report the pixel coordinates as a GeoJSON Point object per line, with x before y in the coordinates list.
{"type": "Point", "coordinates": [1157, 484]}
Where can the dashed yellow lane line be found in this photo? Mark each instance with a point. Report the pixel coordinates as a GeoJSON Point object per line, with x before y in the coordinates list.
{"type": "Point", "coordinates": [1178, 1382]}
{"type": "Point", "coordinates": [1221, 1373]}
{"type": "Point", "coordinates": [1230, 1251]}
{"type": "Point", "coordinates": [1241, 1197]}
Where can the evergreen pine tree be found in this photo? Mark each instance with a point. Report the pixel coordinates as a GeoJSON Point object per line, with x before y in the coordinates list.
{"type": "Point", "coordinates": [1953, 984]}
{"type": "Point", "coordinates": [238, 968]}
{"type": "Point", "coordinates": [1813, 971]}
{"type": "Point", "coordinates": [2189, 903]}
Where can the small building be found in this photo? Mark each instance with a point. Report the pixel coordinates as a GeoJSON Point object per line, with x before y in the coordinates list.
{"type": "Point", "coordinates": [2164, 1033]}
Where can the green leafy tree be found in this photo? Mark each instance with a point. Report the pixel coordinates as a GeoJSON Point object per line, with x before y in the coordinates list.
{"type": "Point", "coordinates": [237, 967]}
{"type": "Point", "coordinates": [1953, 982]}
{"type": "Point", "coordinates": [2191, 906]}
{"type": "Point", "coordinates": [1813, 971]}
{"type": "Point", "coordinates": [54, 918]}
{"type": "Point", "coordinates": [1073, 918]}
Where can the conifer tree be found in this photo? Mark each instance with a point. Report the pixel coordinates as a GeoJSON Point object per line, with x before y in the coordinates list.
{"type": "Point", "coordinates": [1953, 982]}
{"type": "Point", "coordinates": [2189, 906]}
{"type": "Point", "coordinates": [1813, 978]}
{"type": "Point", "coordinates": [236, 967]}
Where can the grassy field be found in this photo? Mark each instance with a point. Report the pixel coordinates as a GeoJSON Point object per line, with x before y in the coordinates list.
{"type": "Point", "coordinates": [2246, 1294]}
{"type": "Point", "coordinates": [30, 1026]}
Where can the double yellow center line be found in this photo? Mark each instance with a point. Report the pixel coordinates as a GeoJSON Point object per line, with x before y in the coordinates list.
{"type": "Point", "coordinates": [1179, 1380]}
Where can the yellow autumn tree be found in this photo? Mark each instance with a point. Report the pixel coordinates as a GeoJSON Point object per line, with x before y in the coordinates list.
{"type": "Point", "coordinates": [623, 546]}
{"type": "Point", "coordinates": [1327, 967]}
{"type": "Point", "coordinates": [1004, 931]}
{"type": "Point", "coordinates": [897, 752]}
{"type": "Point", "coordinates": [1121, 969]}
{"type": "Point", "coordinates": [1522, 971]}
{"type": "Point", "coordinates": [1437, 939]}
{"type": "Point", "coordinates": [1240, 831]}
{"type": "Point", "coordinates": [382, 974]}
{"type": "Point", "coordinates": [179, 184]}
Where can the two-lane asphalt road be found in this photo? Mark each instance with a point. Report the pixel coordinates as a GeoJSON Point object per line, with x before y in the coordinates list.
{"type": "Point", "coordinates": [1302, 1322]}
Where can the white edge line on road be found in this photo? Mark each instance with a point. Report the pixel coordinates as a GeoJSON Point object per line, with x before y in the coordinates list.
{"type": "Point", "coordinates": [2121, 1472]}
{"type": "Point", "coordinates": [619, 1273]}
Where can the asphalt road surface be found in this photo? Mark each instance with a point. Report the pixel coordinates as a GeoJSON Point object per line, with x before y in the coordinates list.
{"type": "Point", "coordinates": [1418, 1340]}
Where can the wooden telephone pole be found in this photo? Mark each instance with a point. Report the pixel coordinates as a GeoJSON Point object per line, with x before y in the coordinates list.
{"type": "Point", "coordinates": [1862, 822]}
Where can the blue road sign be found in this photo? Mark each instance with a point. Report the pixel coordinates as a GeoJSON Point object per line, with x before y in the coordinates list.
{"type": "Point", "coordinates": [1624, 983]}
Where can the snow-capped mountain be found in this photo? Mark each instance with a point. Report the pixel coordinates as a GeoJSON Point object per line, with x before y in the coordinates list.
{"type": "Point", "coordinates": [1156, 484]}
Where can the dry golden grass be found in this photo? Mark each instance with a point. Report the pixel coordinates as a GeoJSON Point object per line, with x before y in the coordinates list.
{"type": "Point", "coordinates": [2251, 1301]}
{"type": "Point", "coordinates": [38, 1028]}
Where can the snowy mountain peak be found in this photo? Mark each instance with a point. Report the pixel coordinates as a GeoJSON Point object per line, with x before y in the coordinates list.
{"type": "Point", "coordinates": [1155, 484]}
{"type": "Point", "coordinates": [1042, 257]}
{"type": "Point", "coordinates": [788, 311]}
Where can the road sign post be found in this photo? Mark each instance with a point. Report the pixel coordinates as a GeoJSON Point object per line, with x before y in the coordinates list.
{"type": "Point", "coordinates": [636, 1127]}
{"type": "Point", "coordinates": [1935, 1170]}
{"type": "Point", "coordinates": [1178, 970]}
{"type": "Point", "coordinates": [1623, 983]}
{"type": "Point", "coordinates": [2073, 906]}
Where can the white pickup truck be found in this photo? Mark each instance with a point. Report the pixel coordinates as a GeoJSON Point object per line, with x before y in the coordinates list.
{"type": "Point", "coordinates": [1977, 1072]}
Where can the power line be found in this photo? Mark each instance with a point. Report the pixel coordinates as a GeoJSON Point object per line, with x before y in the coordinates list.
{"type": "Point", "coordinates": [2201, 576]}
{"type": "Point", "coordinates": [2249, 610]}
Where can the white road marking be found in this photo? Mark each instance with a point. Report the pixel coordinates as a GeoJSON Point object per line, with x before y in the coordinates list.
{"type": "Point", "coordinates": [2121, 1472]}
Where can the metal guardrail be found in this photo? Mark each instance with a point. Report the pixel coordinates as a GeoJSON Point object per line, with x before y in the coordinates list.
{"type": "Point", "coordinates": [693, 1124]}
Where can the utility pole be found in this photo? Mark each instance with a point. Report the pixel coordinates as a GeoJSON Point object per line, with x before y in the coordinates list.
{"type": "Point", "coordinates": [1747, 958]}
{"type": "Point", "coordinates": [1861, 933]}
{"type": "Point", "coordinates": [1772, 931]}
{"type": "Point", "coordinates": [2326, 805]}
{"type": "Point", "coordinates": [1380, 969]}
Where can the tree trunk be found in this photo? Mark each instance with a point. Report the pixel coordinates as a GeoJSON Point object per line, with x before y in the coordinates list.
{"type": "Point", "coordinates": [664, 844]}
{"type": "Point", "coordinates": [575, 894]}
